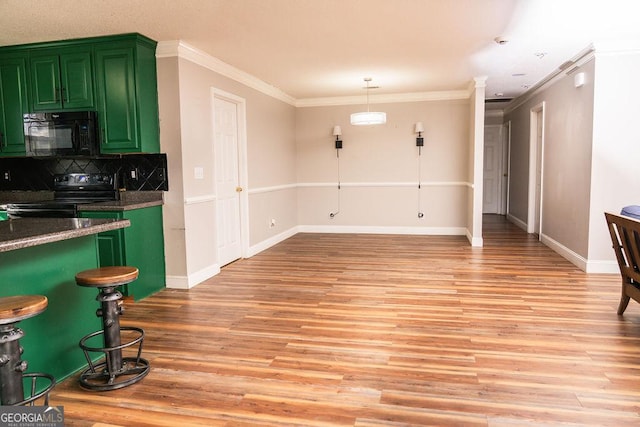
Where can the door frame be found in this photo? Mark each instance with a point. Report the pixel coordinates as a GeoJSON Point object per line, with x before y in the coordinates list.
{"type": "Point", "coordinates": [500, 186]}
{"type": "Point", "coordinates": [536, 161]}
{"type": "Point", "coordinates": [243, 177]}
{"type": "Point", "coordinates": [507, 162]}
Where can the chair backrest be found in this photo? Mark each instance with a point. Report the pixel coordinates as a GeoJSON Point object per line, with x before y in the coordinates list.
{"type": "Point", "coordinates": [625, 235]}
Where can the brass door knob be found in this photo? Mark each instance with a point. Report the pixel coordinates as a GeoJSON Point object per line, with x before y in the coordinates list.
{"type": "Point", "coordinates": [238, 189]}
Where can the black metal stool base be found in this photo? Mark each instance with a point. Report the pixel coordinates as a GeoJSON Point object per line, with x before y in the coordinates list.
{"type": "Point", "coordinates": [99, 378]}
{"type": "Point", "coordinates": [102, 376]}
{"type": "Point", "coordinates": [33, 396]}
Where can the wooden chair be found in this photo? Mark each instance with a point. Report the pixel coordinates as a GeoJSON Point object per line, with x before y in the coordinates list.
{"type": "Point", "coordinates": [625, 235]}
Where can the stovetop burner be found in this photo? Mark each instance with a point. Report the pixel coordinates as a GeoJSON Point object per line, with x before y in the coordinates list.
{"type": "Point", "coordinates": [70, 190]}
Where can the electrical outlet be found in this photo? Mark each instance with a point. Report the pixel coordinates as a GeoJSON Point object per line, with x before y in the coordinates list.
{"type": "Point", "coordinates": [272, 223]}
{"type": "Point", "coordinates": [6, 175]}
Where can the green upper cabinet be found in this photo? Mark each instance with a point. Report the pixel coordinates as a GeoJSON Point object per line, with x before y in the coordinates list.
{"type": "Point", "coordinates": [13, 103]}
{"type": "Point", "coordinates": [61, 79]}
{"type": "Point", "coordinates": [113, 75]}
{"type": "Point", "coordinates": [127, 95]}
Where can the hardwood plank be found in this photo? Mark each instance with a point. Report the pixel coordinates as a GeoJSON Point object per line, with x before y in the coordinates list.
{"type": "Point", "coordinates": [373, 330]}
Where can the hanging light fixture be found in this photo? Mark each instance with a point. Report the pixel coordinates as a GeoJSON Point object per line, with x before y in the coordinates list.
{"type": "Point", "coordinates": [368, 117]}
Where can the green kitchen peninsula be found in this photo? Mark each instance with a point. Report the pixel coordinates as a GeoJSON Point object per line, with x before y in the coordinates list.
{"type": "Point", "coordinates": [41, 256]}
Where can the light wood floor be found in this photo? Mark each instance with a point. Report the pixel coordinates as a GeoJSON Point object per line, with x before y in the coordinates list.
{"type": "Point", "coordinates": [371, 330]}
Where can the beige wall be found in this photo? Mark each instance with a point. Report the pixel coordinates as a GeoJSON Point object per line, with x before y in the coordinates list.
{"type": "Point", "coordinates": [590, 159]}
{"type": "Point", "coordinates": [379, 169]}
{"type": "Point", "coordinates": [568, 117]}
{"type": "Point", "coordinates": [186, 136]}
{"type": "Point", "coordinates": [615, 179]}
{"type": "Point", "coordinates": [292, 167]}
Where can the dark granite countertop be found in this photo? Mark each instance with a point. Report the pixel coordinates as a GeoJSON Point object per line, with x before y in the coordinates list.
{"type": "Point", "coordinates": [129, 200]}
{"type": "Point", "coordinates": [25, 232]}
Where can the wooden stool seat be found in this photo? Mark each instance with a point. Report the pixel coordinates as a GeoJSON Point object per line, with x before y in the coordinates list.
{"type": "Point", "coordinates": [12, 377]}
{"type": "Point", "coordinates": [107, 276]}
{"type": "Point", "coordinates": [19, 307]}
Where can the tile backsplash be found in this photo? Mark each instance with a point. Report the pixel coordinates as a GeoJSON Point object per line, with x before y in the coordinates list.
{"type": "Point", "coordinates": [135, 172]}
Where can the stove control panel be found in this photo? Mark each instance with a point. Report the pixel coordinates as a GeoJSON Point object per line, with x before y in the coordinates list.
{"type": "Point", "coordinates": [84, 181]}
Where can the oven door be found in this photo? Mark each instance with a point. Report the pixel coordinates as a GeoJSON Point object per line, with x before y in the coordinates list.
{"type": "Point", "coordinates": [50, 209]}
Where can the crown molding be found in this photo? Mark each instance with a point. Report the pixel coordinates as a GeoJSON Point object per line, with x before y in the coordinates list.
{"type": "Point", "coordinates": [182, 50]}
{"type": "Point", "coordinates": [384, 98]}
{"type": "Point", "coordinates": [565, 69]}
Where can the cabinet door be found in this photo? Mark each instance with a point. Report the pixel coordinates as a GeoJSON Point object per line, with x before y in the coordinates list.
{"type": "Point", "coordinates": [110, 243]}
{"type": "Point", "coordinates": [77, 80]}
{"type": "Point", "coordinates": [61, 80]}
{"type": "Point", "coordinates": [45, 82]}
{"type": "Point", "coordinates": [115, 93]}
{"type": "Point", "coordinates": [13, 104]}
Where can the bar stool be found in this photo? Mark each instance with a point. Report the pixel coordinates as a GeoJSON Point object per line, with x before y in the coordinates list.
{"type": "Point", "coordinates": [12, 310]}
{"type": "Point", "coordinates": [114, 371]}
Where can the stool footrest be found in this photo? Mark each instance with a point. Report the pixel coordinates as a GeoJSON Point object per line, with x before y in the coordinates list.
{"type": "Point", "coordinates": [33, 395]}
{"type": "Point", "coordinates": [100, 376]}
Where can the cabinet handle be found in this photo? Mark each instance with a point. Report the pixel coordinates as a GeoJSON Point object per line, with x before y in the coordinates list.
{"type": "Point", "coordinates": [1, 141]}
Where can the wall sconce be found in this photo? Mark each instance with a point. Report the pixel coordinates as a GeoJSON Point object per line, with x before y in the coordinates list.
{"type": "Point", "coordinates": [419, 129]}
{"type": "Point", "coordinates": [337, 132]}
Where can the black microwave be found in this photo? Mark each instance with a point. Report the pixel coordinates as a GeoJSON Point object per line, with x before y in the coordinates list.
{"type": "Point", "coordinates": [69, 133]}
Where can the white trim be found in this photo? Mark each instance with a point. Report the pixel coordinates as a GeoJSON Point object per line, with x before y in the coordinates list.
{"type": "Point", "coordinates": [580, 59]}
{"type": "Point", "coordinates": [565, 252]}
{"type": "Point", "coordinates": [602, 267]}
{"type": "Point", "coordinates": [188, 282]}
{"type": "Point", "coordinates": [271, 241]}
{"type": "Point", "coordinates": [517, 222]}
{"type": "Point", "coordinates": [384, 98]}
{"type": "Point", "coordinates": [180, 49]}
{"type": "Point", "coordinates": [212, 197]}
{"type": "Point", "coordinates": [166, 49]}
{"type": "Point", "coordinates": [200, 199]}
{"type": "Point", "coordinates": [533, 163]}
{"type": "Point", "coordinates": [588, 266]}
{"type": "Point", "coordinates": [273, 188]}
{"type": "Point", "coordinates": [341, 229]}
{"type": "Point", "coordinates": [477, 241]}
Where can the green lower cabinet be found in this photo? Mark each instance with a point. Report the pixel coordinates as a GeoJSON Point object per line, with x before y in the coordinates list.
{"type": "Point", "coordinates": [141, 245]}
{"type": "Point", "coordinates": [51, 338]}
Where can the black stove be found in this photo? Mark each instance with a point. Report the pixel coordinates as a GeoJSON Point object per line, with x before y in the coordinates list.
{"type": "Point", "coordinates": [70, 190]}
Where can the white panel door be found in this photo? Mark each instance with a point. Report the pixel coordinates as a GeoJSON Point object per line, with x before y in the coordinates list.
{"type": "Point", "coordinates": [492, 175]}
{"type": "Point", "coordinates": [227, 181]}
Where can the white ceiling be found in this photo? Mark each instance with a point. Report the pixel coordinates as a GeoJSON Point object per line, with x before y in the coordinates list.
{"type": "Point", "coordinates": [324, 48]}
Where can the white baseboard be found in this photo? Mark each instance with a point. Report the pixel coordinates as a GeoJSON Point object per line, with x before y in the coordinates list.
{"type": "Point", "coordinates": [188, 282]}
{"type": "Point", "coordinates": [433, 231]}
{"type": "Point", "coordinates": [588, 266]}
{"type": "Point", "coordinates": [517, 221]}
{"type": "Point", "coordinates": [272, 241]}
